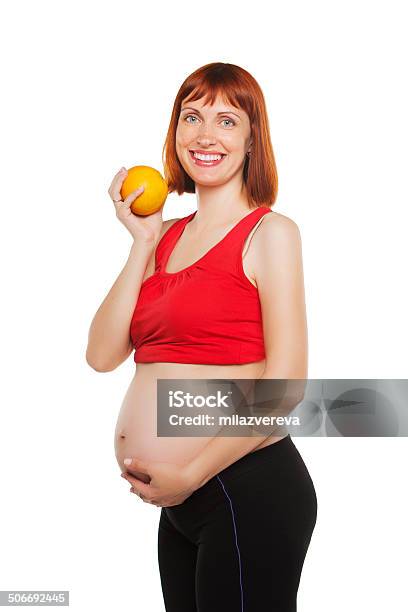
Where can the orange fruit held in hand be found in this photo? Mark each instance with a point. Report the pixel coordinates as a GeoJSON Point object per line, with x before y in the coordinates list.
{"type": "Point", "coordinates": [155, 189]}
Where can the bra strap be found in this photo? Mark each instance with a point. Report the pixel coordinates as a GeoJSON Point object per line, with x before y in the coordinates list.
{"type": "Point", "coordinates": [168, 240]}
{"type": "Point", "coordinates": [227, 255]}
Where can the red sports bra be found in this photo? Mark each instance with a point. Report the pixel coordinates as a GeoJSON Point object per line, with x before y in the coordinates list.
{"type": "Point", "coordinates": [206, 313]}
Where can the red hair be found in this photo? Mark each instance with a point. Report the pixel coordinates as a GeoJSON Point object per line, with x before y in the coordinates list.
{"type": "Point", "coordinates": [239, 88]}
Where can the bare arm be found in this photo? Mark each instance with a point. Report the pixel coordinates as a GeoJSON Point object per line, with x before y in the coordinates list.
{"type": "Point", "coordinates": [109, 342]}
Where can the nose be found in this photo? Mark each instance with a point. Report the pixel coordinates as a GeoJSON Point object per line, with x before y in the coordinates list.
{"type": "Point", "coordinates": [204, 136]}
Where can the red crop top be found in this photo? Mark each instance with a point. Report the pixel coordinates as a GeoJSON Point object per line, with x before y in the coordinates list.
{"type": "Point", "coordinates": [206, 313]}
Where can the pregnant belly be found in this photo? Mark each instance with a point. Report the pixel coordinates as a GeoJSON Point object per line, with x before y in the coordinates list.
{"type": "Point", "coordinates": [135, 433]}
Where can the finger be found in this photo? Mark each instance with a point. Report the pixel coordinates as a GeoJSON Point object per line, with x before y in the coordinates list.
{"type": "Point", "coordinates": [133, 490]}
{"type": "Point", "coordinates": [115, 186]}
{"type": "Point", "coordinates": [114, 180]}
{"type": "Point", "coordinates": [133, 462]}
{"type": "Point", "coordinates": [140, 487]}
{"type": "Point", "coordinates": [117, 181]}
{"type": "Point", "coordinates": [133, 480]}
{"type": "Point", "coordinates": [124, 205]}
{"type": "Point", "coordinates": [132, 196]}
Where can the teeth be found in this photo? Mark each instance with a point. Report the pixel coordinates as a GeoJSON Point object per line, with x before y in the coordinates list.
{"type": "Point", "coordinates": [207, 157]}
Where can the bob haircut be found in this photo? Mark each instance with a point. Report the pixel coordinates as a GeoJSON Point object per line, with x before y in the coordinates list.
{"type": "Point", "coordinates": [239, 88]}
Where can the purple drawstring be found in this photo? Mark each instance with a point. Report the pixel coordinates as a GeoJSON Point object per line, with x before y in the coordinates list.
{"type": "Point", "coordinates": [236, 543]}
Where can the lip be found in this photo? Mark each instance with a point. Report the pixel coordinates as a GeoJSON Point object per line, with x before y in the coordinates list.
{"type": "Point", "coordinates": [206, 164]}
{"type": "Point", "coordinates": [204, 152]}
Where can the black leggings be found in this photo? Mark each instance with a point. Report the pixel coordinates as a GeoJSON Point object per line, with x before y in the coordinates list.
{"type": "Point", "coordinates": [238, 543]}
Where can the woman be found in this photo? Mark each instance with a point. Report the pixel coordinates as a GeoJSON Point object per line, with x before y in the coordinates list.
{"type": "Point", "coordinates": [218, 294]}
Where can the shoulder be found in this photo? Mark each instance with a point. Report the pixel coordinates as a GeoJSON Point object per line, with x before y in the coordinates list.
{"type": "Point", "coordinates": [276, 243]}
{"type": "Point", "coordinates": [167, 225]}
{"type": "Point", "coordinates": [169, 222]}
{"type": "Point", "coordinates": [276, 230]}
{"type": "Point", "coordinates": [276, 224]}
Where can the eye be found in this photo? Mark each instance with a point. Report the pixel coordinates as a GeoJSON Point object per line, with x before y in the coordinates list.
{"type": "Point", "coordinates": [187, 116]}
{"type": "Point", "coordinates": [230, 120]}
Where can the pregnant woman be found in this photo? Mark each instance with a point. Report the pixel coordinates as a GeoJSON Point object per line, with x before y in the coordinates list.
{"type": "Point", "coordinates": [215, 294]}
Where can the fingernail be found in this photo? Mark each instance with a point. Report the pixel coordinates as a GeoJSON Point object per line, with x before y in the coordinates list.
{"type": "Point", "coordinates": [127, 461]}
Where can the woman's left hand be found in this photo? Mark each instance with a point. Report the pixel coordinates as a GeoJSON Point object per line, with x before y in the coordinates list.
{"type": "Point", "coordinates": [169, 484]}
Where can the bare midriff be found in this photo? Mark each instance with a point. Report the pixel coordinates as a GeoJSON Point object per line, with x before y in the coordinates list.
{"type": "Point", "coordinates": [135, 433]}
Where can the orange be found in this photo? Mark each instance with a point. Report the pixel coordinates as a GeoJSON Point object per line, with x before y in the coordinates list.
{"type": "Point", "coordinates": [155, 189]}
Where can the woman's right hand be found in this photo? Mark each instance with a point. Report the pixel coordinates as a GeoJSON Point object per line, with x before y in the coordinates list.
{"type": "Point", "coordinates": [142, 228]}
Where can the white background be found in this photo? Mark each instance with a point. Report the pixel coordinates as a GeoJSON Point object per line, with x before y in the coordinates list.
{"type": "Point", "coordinates": [89, 87]}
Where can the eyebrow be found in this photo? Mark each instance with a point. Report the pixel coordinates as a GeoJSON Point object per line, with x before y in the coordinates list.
{"type": "Point", "coordinates": [220, 113]}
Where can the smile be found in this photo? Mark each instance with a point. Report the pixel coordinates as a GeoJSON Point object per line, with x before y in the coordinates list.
{"type": "Point", "coordinates": [206, 160]}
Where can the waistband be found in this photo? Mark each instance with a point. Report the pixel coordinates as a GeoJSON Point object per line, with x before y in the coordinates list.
{"type": "Point", "coordinates": [256, 458]}
{"type": "Point", "coordinates": [274, 454]}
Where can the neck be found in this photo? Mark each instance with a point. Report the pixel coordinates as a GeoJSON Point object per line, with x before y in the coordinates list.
{"type": "Point", "coordinates": [220, 205]}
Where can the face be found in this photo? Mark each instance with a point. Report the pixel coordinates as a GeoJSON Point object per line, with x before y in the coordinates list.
{"type": "Point", "coordinates": [212, 141]}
